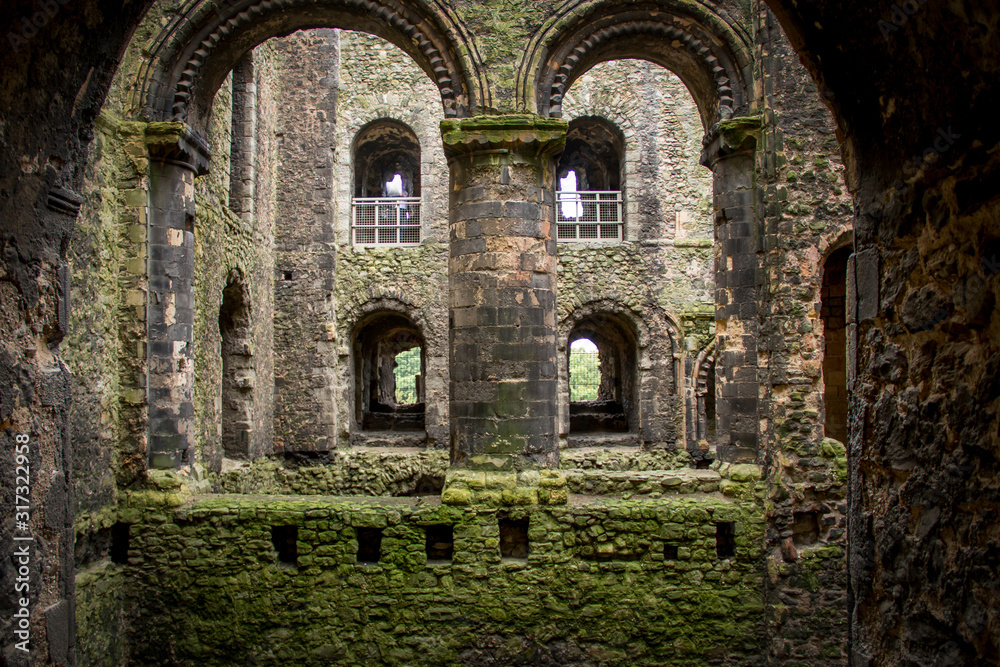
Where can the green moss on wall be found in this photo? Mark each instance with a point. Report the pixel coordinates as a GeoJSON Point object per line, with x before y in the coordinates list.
{"type": "Point", "coordinates": [204, 583]}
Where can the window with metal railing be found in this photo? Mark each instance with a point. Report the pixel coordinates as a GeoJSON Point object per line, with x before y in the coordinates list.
{"type": "Point", "coordinates": [385, 221]}
{"type": "Point", "coordinates": [590, 184]}
{"type": "Point", "coordinates": [385, 210]}
{"type": "Point", "coordinates": [594, 215]}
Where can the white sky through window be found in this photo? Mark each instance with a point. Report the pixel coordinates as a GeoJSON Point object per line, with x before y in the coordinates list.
{"type": "Point", "coordinates": [394, 188]}
{"type": "Point", "coordinates": [572, 208]}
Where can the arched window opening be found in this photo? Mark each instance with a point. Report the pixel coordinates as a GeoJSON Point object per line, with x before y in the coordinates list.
{"type": "Point", "coordinates": [833, 313]}
{"type": "Point", "coordinates": [389, 374]}
{"type": "Point", "coordinates": [589, 182]}
{"type": "Point", "coordinates": [386, 204]}
{"type": "Point", "coordinates": [237, 370]}
{"type": "Point", "coordinates": [602, 377]}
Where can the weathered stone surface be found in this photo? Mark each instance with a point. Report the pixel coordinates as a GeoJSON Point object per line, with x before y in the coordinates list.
{"type": "Point", "coordinates": [912, 92]}
{"type": "Point", "coordinates": [607, 583]}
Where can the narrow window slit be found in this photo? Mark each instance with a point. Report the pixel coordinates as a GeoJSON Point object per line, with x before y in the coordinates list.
{"type": "Point", "coordinates": [285, 540]}
{"type": "Point", "coordinates": [120, 543]}
{"type": "Point", "coordinates": [513, 538]}
{"type": "Point", "coordinates": [369, 545]}
{"type": "Point", "coordinates": [725, 539]}
{"type": "Point", "coordinates": [440, 542]}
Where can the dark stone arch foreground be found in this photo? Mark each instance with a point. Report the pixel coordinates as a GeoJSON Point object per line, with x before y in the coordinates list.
{"type": "Point", "coordinates": [933, 411]}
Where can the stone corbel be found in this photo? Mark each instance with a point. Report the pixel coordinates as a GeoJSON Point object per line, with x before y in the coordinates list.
{"type": "Point", "coordinates": [64, 201]}
{"type": "Point", "coordinates": [178, 144]}
{"type": "Point", "coordinates": [733, 136]}
{"type": "Point", "coordinates": [501, 140]}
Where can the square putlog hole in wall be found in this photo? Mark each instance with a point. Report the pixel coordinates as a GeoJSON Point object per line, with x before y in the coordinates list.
{"type": "Point", "coordinates": [440, 543]}
{"type": "Point", "coordinates": [119, 543]}
{"type": "Point", "coordinates": [369, 545]}
{"type": "Point", "coordinates": [513, 538]}
{"type": "Point", "coordinates": [805, 528]}
{"type": "Point", "coordinates": [725, 539]}
{"type": "Point", "coordinates": [669, 552]}
{"type": "Point", "coordinates": [286, 543]}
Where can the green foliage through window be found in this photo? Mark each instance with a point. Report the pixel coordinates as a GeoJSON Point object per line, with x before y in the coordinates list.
{"type": "Point", "coordinates": [584, 371]}
{"type": "Point", "coordinates": [406, 371]}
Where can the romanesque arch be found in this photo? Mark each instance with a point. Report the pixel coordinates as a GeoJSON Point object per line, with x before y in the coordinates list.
{"type": "Point", "coordinates": [706, 48]}
{"type": "Point", "coordinates": [195, 52]}
{"type": "Point", "coordinates": [190, 60]}
{"type": "Point", "coordinates": [711, 54]}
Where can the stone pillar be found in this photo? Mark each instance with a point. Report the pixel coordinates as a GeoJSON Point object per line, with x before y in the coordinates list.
{"type": "Point", "coordinates": [243, 148]}
{"type": "Point", "coordinates": [502, 290]}
{"type": "Point", "coordinates": [729, 153]}
{"type": "Point", "coordinates": [176, 156]}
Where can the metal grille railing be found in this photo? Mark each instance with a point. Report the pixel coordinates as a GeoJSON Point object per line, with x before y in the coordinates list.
{"type": "Point", "coordinates": [385, 220]}
{"type": "Point", "coordinates": [594, 215]}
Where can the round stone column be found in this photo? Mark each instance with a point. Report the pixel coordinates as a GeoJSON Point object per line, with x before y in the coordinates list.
{"type": "Point", "coordinates": [730, 153]}
{"type": "Point", "coordinates": [176, 156]}
{"type": "Point", "coordinates": [502, 290]}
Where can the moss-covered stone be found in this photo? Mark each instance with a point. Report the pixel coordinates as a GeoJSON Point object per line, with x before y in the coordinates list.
{"type": "Point", "coordinates": [204, 582]}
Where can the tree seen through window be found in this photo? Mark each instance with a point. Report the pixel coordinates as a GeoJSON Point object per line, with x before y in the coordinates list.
{"type": "Point", "coordinates": [584, 370]}
{"type": "Point", "coordinates": [407, 369]}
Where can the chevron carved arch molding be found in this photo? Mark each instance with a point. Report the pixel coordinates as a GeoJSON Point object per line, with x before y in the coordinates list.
{"type": "Point", "coordinates": [194, 54]}
{"type": "Point", "coordinates": [708, 52]}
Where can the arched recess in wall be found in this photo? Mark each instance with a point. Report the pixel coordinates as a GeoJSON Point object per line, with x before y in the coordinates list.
{"type": "Point", "coordinates": [712, 54]}
{"type": "Point", "coordinates": [614, 407]}
{"type": "Point", "coordinates": [389, 362]}
{"type": "Point", "coordinates": [594, 151]}
{"type": "Point", "coordinates": [833, 313]}
{"type": "Point", "coordinates": [382, 149]}
{"type": "Point", "coordinates": [193, 54]}
{"type": "Point", "coordinates": [604, 391]}
{"type": "Point", "coordinates": [238, 375]}
{"type": "Point", "coordinates": [385, 206]}
{"type": "Point", "coordinates": [590, 178]}
{"type": "Point", "coordinates": [701, 405]}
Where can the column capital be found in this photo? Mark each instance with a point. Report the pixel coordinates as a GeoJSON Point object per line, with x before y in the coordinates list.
{"type": "Point", "coordinates": [179, 144]}
{"type": "Point", "coordinates": [520, 138]}
{"type": "Point", "coordinates": [731, 137]}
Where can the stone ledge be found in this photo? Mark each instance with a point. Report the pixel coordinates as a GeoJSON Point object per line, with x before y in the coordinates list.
{"type": "Point", "coordinates": [481, 487]}
{"type": "Point", "coordinates": [601, 482]}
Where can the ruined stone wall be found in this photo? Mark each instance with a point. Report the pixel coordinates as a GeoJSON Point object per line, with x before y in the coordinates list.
{"type": "Point", "coordinates": [232, 246]}
{"type": "Point", "coordinates": [106, 350]}
{"type": "Point", "coordinates": [106, 230]}
{"type": "Point", "coordinates": [304, 312]}
{"type": "Point", "coordinates": [925, 418]}
{"type": "Point", "coordinates": [661, 277]}
{"type": "Point", "coordinates": [378, 81]}
{"type": "Point", "coordinates": [611, 581]}
{"type": "Point", "coordinates": [806, 215]}
{"type": "Point", "coordinates": [325, 285]}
